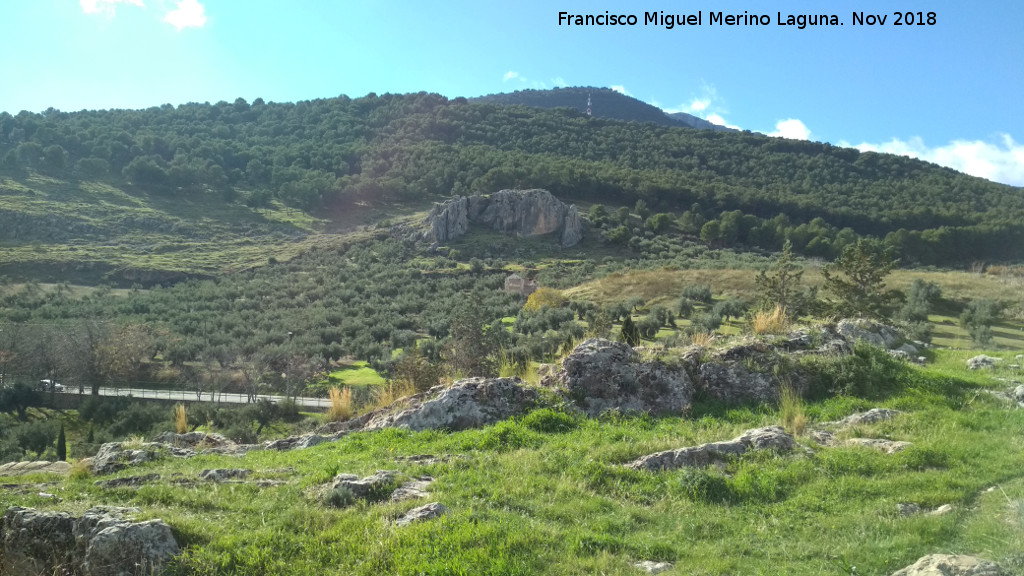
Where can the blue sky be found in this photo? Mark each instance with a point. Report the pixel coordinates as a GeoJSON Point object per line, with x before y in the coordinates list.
{"type": "Point", "coordinates": [949, 93]}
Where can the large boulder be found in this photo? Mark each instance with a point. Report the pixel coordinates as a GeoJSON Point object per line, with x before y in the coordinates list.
{"type": "Point", "coordinates": [982, 361]}
{"type": "Point", "coordinates": [950, 565]}
{"type": "Point", "coordinates": [102, 542]}
{"type": "Point", "coordinates": [602, 375]}
{"type": "Point", "coordinates": [770, 438]}
{"type": "Point", "coordinates": [520, 213]}
{"type": "Point", "coordinates": [751, 372]}
{"type": "Point", "coordinates": [469, 403]}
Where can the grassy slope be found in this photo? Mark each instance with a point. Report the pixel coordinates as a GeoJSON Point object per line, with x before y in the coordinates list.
{"type": "Point", "coordinates": [530, 502]}
{"type": "Point", "coordinates": [200, 232]}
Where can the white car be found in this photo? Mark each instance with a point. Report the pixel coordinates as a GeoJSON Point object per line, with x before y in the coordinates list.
{"type": "Point", "coordinates": [47, 385]}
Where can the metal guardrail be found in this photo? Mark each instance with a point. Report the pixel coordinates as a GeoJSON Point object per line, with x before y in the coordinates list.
{"type": "Point", "coordinates": [192, 396]}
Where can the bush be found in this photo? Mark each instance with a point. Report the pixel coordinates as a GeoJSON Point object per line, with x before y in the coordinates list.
{"type": "Point", "coordinates": [869, 372]}
{"type": "Point", "coordinates": [508, 435]}
{"type": "Point", "coordinates": [551, 421]}
{"type": "Point", "coordinates": [697, 293]}
{"type": "Point", "coordinates": [340, 497]}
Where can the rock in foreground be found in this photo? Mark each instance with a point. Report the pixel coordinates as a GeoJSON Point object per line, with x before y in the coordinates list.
{"type": "Point", "coordinates": [772, 437]}
{"type": "Point", "coordinates": [469, 403]}
{"type": "Point", "coordinates": [602, 375]}
{"type": "Point", "coordinates": [950, 565]}
{"type": "Point", "coordinates": [102, 542]}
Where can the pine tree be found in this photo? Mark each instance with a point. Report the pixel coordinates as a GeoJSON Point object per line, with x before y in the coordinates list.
{"type": "Point", "coordinates": [779, 284]}
{"type": "Point", "coordinates": [630, 333]}
{"type": "Point", "coordinates": [857, 278]}
{"type": "Point", "coordinates": [62, 445]}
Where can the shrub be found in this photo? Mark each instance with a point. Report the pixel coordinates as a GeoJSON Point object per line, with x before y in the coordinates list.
{"type": "Point", "coordinates": [869, 372]}
{"type": "Point", "coordinates": [551, 421]}
{"type": "Point", "coordinates": [340, 497]}
{"type": "Point", "coordinates": [180, 419]}
{"type": "Point", "coordinates": [697, 293]}
{"type": "Point", "coordinates": [774, 321]}
{"type": "Point", "coordinates": [341, 404]}
{"type": "Point", "coordinates": [509, 435]}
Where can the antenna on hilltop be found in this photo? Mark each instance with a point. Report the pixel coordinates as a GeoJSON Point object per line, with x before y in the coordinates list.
{"type": "Point", "coordinates": [588, 105]}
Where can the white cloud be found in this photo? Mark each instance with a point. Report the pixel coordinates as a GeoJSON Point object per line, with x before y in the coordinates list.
{"type": "Point", "coordinates": [621, 90]}
{"type": "Point", "coordinates": [510, 75]}
{"type": "Point", "coordinates": [106, 7]}
{"type": "Point", "coordinates": [716, 119]}
{"type": "Point", "coordinates": [188, 14]}
{"type": "Point", "coordinates": [700, 105]}
{"type": "Point", "coordinates": [791, 128]}
{"type": "Point", "coordinates": [1001, 160]}
{"type": "Point", "coordinates": [560, 82]}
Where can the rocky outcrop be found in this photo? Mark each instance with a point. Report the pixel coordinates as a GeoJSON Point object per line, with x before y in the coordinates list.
{"type": "Point", "coordinates": [602, 375]}
{"type": "Point", "coordinates": [950, 565]}
{"type": "Point", "coordinates": [102, 542]}
{"type": "Point", "coordinates": [36, 467]}
{"type": "Point", "coordinates": [873, 416]}
{"type": "Point", "coordinates": [649, 567]}
{"type": "Point", "coordinates": [423, 513]}
{"type": "Point", "coordinates": [746, 373]}
{"type": "Point", "coordinates": [374, 487]}
{"type": "Point", "coordinates": [520, 213]}
{"type": "Point", "coordinates": [770, 438]}
{"type": "Point", "coordinates": [982, 361]}
{"type": "Point", "coordinates": [881, 444]}
{"type": "Point", "coordinates": [469, 403]}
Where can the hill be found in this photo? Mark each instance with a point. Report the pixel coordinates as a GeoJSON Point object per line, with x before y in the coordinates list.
{"type": "Point", "coordinates": [605, 103]}
{"type": "Point", "coordinates": [205, 188]}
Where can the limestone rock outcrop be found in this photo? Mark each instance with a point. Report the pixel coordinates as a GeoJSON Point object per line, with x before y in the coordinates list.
{"type": "Point", "coordinates": [519, 213]}
{"type": "Point", "coordinates": [950, 565]}
{"type": "Point", "coordinates": [602, 375]}
{"type": "Point", "coordinates": [469, 403]}
{"type": "Point", "coordinates": [770, 438]}
{"type": "Point", "coordinates": [102, 542]}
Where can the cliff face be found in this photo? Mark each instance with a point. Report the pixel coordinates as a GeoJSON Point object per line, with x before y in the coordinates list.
{"type": "Point", "coordinates": [519, 213]}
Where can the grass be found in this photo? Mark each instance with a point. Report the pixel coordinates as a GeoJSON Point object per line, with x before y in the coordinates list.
{"type": "Point", "coordinates": [357, 374]}
{"type": "Point", "coordinates": [772, 321]}
{"type": "Point", "coordinates": [341, 404]}
{"type": "Point", "coordinates": [791, 410]}
{"type": "Point", "coordinates": [180, 419]}
{"type": "Point", "coordinates": [547, 494]}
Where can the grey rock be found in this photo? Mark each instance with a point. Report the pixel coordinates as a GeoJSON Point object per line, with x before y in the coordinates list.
{"type": "Point", "coordinates": [370, 487]}
{"type": "Point", "coordinates": [102, 542]}
{"type": "Point", "coordinates": [950, 565]}
{"type": "Point", "coordinates": [769, 438]}
{"type": "Point", "coordinates": [470, 403]}
{"type": "Point", "coordinates": [224, 474]}
{"type": "Point", "coordinates": [908, 508]}
{"type": "Point", "coordinates": [982, 361]}
{"type": "Point", "coordinates": [602, 375]}
{"type": "Point", "coordinates": [887, 446]}
{"type": "Point", "coordinates": [874, 333]}
{"type": "Point", "coordinates": [193, 440]}
{"type": "Point", "coordinates": [426, 512]}
{"type": "Point", "coordinates": [909, 349]}
{"type": "Point", "coordinates": [128, 481]}
{"type": "Point", "coordinates": [413, 489]}
{"type": "Point", "coordinates": [823, 437]}
{"type": "Point", "coordinates": [653, 567]}
{"type": "Point", "coordinates": [873, 416]}
{"type": "Point", "coordinates": [1018, 393]}
{"type": "Point", "coordinates": [942, 510]}
{"type": "Point", "coordinates": [518, 213]}
{"type": "Point", "coordinates": [744, 373]}
{"type": "Point", "coordinates": [35, 467]}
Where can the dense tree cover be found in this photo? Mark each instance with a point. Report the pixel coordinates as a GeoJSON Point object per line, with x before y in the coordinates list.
{"type": "Point", "coordinates": [362, 301]}
{"type": "Point", "coordinates": [754, 189]}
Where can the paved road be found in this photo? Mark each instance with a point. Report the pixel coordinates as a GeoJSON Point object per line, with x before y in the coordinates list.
{"type": "Point", "coordinates": [186, 396]}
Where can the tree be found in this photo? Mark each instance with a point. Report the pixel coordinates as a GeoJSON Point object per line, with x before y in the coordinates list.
{"type": "Point", "coordinates": [857, 278]}
{"type": "Point", "coordinates": [978, 319]}
{"type": "Point", "coordinates": [469, 352]}
{"type": "Point", "coordinates": [921, 297]}
{"type": "Point", "coordinates": [630, 334]}
{"type": "Point", "coordinates": [779, 285]}
{"type": "Point", "coordinates": [545, 296]}
{"type": "Point", "coordinates": [18, 398]}
{"type": "Point", "coordinates": [62, 445]}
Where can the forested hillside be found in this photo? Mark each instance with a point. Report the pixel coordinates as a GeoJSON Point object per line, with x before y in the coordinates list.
{"type": "Point", "coordinates": [422, 146]}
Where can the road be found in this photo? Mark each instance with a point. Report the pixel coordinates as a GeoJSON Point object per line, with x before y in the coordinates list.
{"type": "Point", "coordinates": [186, 396]}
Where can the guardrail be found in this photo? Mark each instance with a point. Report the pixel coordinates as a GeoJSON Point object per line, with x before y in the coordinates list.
{"type": "Point", "coordinates": [190, 396]}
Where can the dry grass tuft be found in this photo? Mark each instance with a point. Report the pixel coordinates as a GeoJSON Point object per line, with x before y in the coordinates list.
{"type": "Point", "coordinates": [341, 404]}
{"type": "Point", "coordinates": [701, 338]}
{"type": "Point", "coordinates": [389, 393]}
{"type": "Point", "coordinates": [791, 410]}
{"type": "Point", "coordinates": [773, 321]}
{"type": "Point", "coordinates": [180, 419]}
{"type": "Point", "coordinates": [80, 470]}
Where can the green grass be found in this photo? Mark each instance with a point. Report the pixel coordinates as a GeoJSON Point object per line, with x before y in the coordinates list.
{"type": "Point", "coordinates": [358, 374]}
{"type": "Point", "coordinates": [548, 494]}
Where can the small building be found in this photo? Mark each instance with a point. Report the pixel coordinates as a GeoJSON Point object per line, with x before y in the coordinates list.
{"type": "Point", "coordinates": [523, 287]}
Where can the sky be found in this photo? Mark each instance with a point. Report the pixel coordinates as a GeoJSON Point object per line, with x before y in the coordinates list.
{"type": "Point", "coordinates": [950, 93]}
